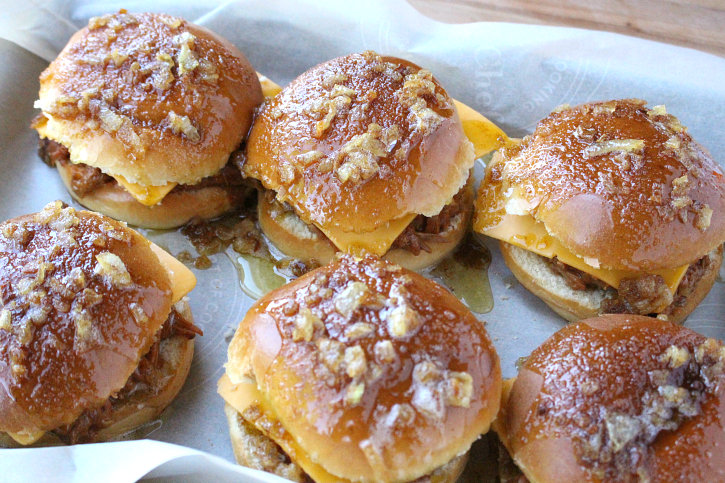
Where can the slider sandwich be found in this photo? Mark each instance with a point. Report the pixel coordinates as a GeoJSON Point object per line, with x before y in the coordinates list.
{"type": "Point", "coordinates": [608, 207]}
{"type": "Point", "coordinates": [96, 335]}
{"type": "Point", "coordinates": [366, 153]}
{"type": "Point", "coordinates": [617, 399]}
{"type": "Point", "coordinates": [360, 371]}
{"type": "Point", "coordinates": [140, 114]}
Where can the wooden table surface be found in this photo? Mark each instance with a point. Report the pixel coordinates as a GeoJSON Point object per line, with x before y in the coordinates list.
{"type": "Point", "coordinates": [698, 24]}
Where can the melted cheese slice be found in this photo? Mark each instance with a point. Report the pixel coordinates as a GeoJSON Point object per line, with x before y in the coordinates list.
{"type": "Point", "coordinates": [269, 87]}
{"type": "Point", "coordinates": [182, 279]}
{"type": "Point", "coordinates": [26, 438]}
{"type": "Point", "coordinates": [377, 241]}
{"type": "Point", "coordinates": [485, 135]}
{"type": "Point", "coordinates": [241, 396]}
{"type": "Point", "coordinates": [147, 195]}
{"type": "Point", "coordinates": [525, 232]}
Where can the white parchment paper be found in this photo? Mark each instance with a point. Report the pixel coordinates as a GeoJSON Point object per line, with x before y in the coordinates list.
{"type": "Point", "coordinates": [514, 74]}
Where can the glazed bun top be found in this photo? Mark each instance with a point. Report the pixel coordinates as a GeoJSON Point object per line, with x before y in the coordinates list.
{"type": "Point", "coordinates": [360, 141]}
{"type": "Point", "coordinates": [149, 97]}
{"type": "Point", "coordinates": [620, 398]}
{"type": "Point", "coordinates": [82, 299]}
{"type": "Point", "coordinates": [378, 373]}
{"type": "Point", "coordinates": [621, 184]}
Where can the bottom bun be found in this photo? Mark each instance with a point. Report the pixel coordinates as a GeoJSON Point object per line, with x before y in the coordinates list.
{"type": "Point", "coordinates": [175, 210]}
{"type": "Point", "coordinates": [139, 407]}
{"type": "Point", "coordinates": [255, 450]}
{"type": "Point", "coordinates": [536, 276]}
{"type": "Point", "coordinates": [296, 239]}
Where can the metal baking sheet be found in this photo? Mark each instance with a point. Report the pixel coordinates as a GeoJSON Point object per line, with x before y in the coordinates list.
{"type": "Point", "coordinates": [513, 74]}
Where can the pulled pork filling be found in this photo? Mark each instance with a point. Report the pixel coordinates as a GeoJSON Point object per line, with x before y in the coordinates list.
{"type": "Point", "coordinates": [429, 229]}
{"type": "Point", "coordinates": [85, 179]}
{"type": "Point", "coordinates": [642, 295]}
{"type": "Point", "coordinates": [140, 385]}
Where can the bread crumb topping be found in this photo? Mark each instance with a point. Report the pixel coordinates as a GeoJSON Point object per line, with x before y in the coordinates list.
{"type": "Point", "coordinates": [612, 145]}
{"type": "Point", "coordinates": [112, 269]}
{"type": "Point", "coordinates": [413, 95]}
{"type": "Point", "coordinates": [361, 154]}
{"type": "Point", "coordinates": [183, 125]}
{"type": "Point", "coordinates": [435, 389]}
{"type": "Point", "coordinates": [351, 298]}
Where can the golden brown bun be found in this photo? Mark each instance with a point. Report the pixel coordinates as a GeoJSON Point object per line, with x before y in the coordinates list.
{"type": "Point", "coordinates": [395, 145]}
{"type": "Point", "coordinates": [306, 242]}
{"type": "Point", "coordinates": [574, 305]}
{"type": "Point", "coordinates": [620, 399]}
{"type": "Point", "coordinates": [126, 127]}
{"type": "Point", "coordinates": [176, 209]}
{"type": "Point", "coordinates": [83, 299]}
{"type": "Point", "coordinates": [409, 380]}
{"type": "Point", "coordinates": [655, 202]}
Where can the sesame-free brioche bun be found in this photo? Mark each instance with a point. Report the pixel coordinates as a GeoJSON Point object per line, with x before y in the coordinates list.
{"type": "Point", "coordinates": [306, 242]}
{"type": "Point", "coordinates": [149, 97]}
{"type": "Point", "coordinates": [537, 276]}
{"type": "Point", "coordinates": [619, 398]}
{"type": "Point", "coordinates": [86, 298]}
{"type": "Point", "coordinates": [621, 184]}
{"type": "Point", "coordinates": [360, 141]}
{"type": "Point", "coordinates": [176, 209]}
{"type": "Point", "coordinates": [398, 377]}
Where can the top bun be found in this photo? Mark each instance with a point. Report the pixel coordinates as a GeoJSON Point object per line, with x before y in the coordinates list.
{"type": "Point", "coordinates": [378, 373]}
{"type": "Point", "coordinates": [360, 141]}
{"type": "Point", "coordinates": [149, 97]}
{"type": "Point", "coordinates": [619, 399]}
{"type": "Point", "coordinates": [82, 300]}
{"type": "Point", "coordinates": [620, 184]}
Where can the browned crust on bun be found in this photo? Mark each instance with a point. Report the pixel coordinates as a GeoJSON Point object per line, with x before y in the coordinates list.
{"type": "Point", "coordinates": [618, 183]}
{"type": "Point", "coordinates": [575, 305]}
{"type": "Point", "coordinates": [149, 97]}
{"type": "Point", "coordinates": [82, 299]}
{"type": "Point", "coordinates": [398, 376]}
{"type": "Point", "coordinates": [306, 242]}
{"type": "Point", "coordinates": [359, 141]}
{"type": "Point", "coordinates": [618, 399]}
{"type": "Point", "coordinates": [176, 209]}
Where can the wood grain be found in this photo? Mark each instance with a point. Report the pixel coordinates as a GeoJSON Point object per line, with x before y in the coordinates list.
{"type": "Point", "coordinates": [698, 24]}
